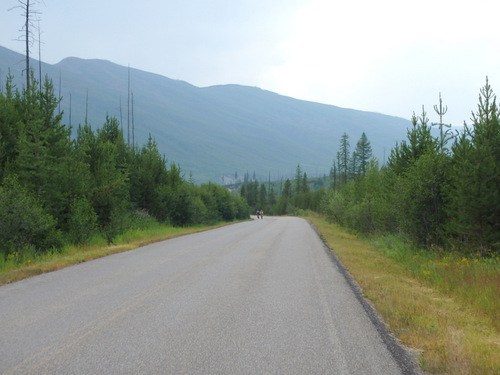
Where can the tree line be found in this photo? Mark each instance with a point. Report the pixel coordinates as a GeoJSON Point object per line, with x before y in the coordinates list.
{"type": "Point", "coordinates": [440, 192]}
{"type": "Point", "coordinates": [292, 196]}
{"type": "Point", "coordinates": [57, 189]}
{"type": "Point", "coordinates": [283, 197]}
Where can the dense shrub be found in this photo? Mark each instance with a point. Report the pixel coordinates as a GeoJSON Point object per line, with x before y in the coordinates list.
{"type": "Point", "coordinates": [54, 187]}
{"type": "Point", "coordinates": [23, 221]}
{"type": "Point", "coordinates": [434, 196]}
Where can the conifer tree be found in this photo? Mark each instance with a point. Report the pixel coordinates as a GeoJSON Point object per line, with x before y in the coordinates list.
{"type": "Point", "coordinates": [353, 165]}
{"type": "Point", "coordinates": [262, 196]}
{"type": "Point", "coordinates": [8, 127]}
{"type": "Point", "coordinates": [298, 179]}
{"type": "Point", "coordinates": [147, 170]}
{"type": "Point", "coordinates": [363, 153]}
{"type": "Point", "coordinates": [343, 159]}
{"type": "Point", "coordinates": [474, 198]}
{"type": "Point", "coordinates": [304, 187]}
{"type": "Point", "coordinates": [419, 141]}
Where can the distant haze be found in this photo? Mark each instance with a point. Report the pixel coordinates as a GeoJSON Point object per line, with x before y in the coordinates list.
{"type": "Point", "coordinates": [387, 56]}
{"type": "Point", "coordinates": [215, 131]}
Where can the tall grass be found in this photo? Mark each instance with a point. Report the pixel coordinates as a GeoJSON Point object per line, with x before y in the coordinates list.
{"type": "Point", "coordinates": [474, 281]}
{"type": "Point", "coordinates": [444, 306]}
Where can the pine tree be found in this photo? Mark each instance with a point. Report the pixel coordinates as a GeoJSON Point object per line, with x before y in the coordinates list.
{"type": "Point", "coordinates": [298, 179]}
{"type": "Point", "coordinates": [419, 141]}
{"type": "Point", "coordinates": [9, 131]}
{"type": "Point", "coordinates": [148, 170]}
{"type": "Point", "coordinates": [343, 159]}
{"type": "Point", "coordinates": [304, 187]}
{"type": "Point", "coordinates": [363, 153]}
{"type": "Point", "coordinates": [353, 165]}
{"type": "Point", "coordinates": [262, 196]}
{"type": "Point", "coordinates": [474, 196]}
{"type": "Point", "coordinates": [333, 175]}
{"type": "Point", "coordinates": [110, 195]}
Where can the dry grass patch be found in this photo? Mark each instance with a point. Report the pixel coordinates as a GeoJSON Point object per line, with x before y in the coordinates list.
{"type": "Point", "coordinates": [452, 336]}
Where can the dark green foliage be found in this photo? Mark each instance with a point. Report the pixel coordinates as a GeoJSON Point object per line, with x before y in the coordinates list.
{"type": "Point", "coordinates": [285, 203]}
{"type": "Point", "coordinates": [285, 197]}
{"type": "Point", "coordinates": [363, 154]}
{"type": "Point", "coordinates": [474, 193]}
{"type": "Point", "coordinates": [343, 159]}
{"type": "Point", "coordinates": [298, 180]}
{"type": "Point", "coordinates": [434, 196]}
{"type": "Point", "coordinates": [262, 196]}
{"type": "Point", "coordinates": [9, 131]}
{"type": "Point", "coordinates": [23, 221]}
{"type": "Point", "coordinates": [419, 142]}
{"type": "Point", "coordinates": [271, 203]}
{"type": "Point", "coordinates": [82, 221]}
{"type": "Point", "coordinates": [147, 172]}
{"type": "Point", "coordinates": [420, 199]}
{"type": "Point", "coordinates": [53, 187]}
{"type": "Point", "coordinates": [222, 204]}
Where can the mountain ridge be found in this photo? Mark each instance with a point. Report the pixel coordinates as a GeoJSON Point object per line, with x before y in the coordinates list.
{"type": "Point", "coordinates": [212, 131]}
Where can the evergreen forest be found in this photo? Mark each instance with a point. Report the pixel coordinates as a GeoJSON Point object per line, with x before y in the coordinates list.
{"type": "Point", "coordinates": [439, 192]}
{"type": "Point", "coordinates": [58, 189]}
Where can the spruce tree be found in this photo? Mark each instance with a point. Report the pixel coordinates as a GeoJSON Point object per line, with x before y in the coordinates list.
{"type": "Point", "coordinates": [343, 158]}
{"type": "Point", "coordinates": [474, 196]}
{"type": "Point", "coordinates": [420, 140]}
{"type": "Point", "coordinates": [363, 153]}
{"type": "Point", "coordinates": [298, 179]}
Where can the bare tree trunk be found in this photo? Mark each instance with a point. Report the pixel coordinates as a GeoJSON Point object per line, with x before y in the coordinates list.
{"type": "Point", "coordinates": [59, 109]}
{"type": "Point", "coordinates": [29, 11]}
{"type": "Point", "coordinates": [26, 26]}
{"type": "Point", "coordinates": [86, 107]}
{"type": "Point", "coordinates": [39, 56]}
{"type": "Point", "coordinates": [133, 125]}
{"type": "Point", "coordinates": [70, 109]}
{"type": "Point", "coordinates": [128, 107]}
{"type": "Point", "coordinates": [121, 115]}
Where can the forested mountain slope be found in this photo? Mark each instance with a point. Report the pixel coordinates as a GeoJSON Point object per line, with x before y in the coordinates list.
{"type": "Point", "coordinates": [214, 131]}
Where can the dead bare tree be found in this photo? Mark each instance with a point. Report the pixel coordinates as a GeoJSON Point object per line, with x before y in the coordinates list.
{"type": "Point", "coordinates": [30, 14]}
{"type": "Point", "coordinates": [133, 124]}
{"type": "Point", "coordinates": [441, 111]}
{"type": "Point", "coordinates": [39, 55]}
{"type": "Point", "coordinates": [128, 107]}
{"type": "Point", "coordinates": [121, 114]}
{"type": "Point", "coordinates": [87, 107]}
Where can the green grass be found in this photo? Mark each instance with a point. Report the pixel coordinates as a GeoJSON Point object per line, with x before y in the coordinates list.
{"type": "Point", "coordinates": [443, 306]}
{"type": "Point", "coordinates": [474, 281]}
{"type": "Point", "coordinates": [27, 262]}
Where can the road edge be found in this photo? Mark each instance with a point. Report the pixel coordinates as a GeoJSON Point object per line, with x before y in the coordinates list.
{"type": "Point", "coordinates": [403, 356]}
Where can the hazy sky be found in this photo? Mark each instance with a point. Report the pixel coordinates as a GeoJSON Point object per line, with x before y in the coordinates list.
{"type": "Point", "coordinates": [388, 56]}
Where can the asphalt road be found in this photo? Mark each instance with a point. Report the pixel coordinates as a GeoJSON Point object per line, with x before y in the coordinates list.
{"type": "Point", "coordinates": [259, 297]}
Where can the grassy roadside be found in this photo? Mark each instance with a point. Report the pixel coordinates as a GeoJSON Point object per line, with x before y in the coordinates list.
{"type": "Point", "coordinates": [446, 308]}
{"type": "Point", "coordinates": [16, 268]}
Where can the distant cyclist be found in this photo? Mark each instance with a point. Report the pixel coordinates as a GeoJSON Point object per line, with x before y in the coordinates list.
{"type": "Point", "coordinates": [261, 214]}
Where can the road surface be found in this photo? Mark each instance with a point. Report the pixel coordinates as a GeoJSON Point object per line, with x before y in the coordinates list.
{"type": "Point", "coordinates": [259, 297]}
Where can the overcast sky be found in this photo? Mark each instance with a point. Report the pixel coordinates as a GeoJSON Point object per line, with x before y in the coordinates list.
{"type": "Point", "coordinates": [388, 56]}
